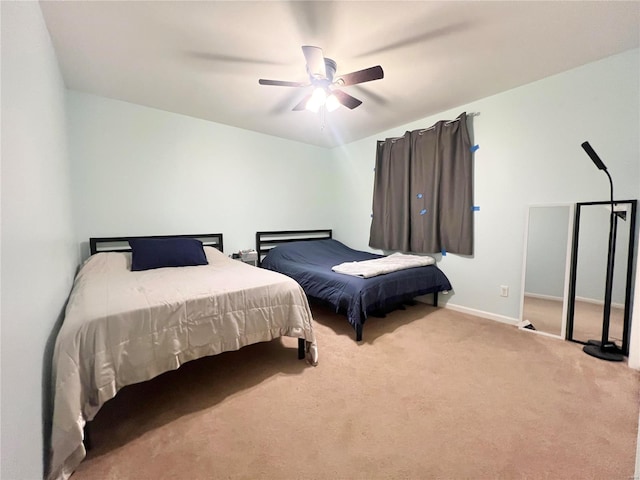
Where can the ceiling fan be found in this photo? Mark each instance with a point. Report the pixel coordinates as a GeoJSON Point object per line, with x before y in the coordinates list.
{"type": "Point", "coordinates": [326, 85]}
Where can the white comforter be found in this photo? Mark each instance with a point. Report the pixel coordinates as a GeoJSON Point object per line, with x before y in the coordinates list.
{"type": "Point", "coordinates": [123, 327]}
{"type": "Point", "coordinates": [380, 266]}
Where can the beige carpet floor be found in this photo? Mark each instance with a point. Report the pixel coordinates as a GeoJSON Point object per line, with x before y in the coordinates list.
{"type": "Point", "coordinates": [429, 394]}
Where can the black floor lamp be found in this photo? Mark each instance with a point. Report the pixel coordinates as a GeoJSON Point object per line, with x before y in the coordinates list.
{"type": "Point", "coordinates": [605, 349]}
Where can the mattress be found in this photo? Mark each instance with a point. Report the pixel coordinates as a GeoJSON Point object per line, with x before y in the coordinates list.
{"type": "Point", "coordinates": [123, 327]}
{"type": "Point", "coordinates": [310, 263]}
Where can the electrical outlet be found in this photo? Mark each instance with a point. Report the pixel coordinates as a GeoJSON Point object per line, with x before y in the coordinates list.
{"type": "Point", "coordinates": [504, 291]}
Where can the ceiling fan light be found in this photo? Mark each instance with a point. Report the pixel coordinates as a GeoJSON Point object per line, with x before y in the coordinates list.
{"type": "Point", "coordinates": [312, 106]}
{"type": "Point", "coordinates": [317, 99]}
{"type": "Point", "coordinates": [332, 103]}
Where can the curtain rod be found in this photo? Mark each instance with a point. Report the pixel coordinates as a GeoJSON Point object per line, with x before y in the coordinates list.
{"type": "Point", "coordinates": [420, 132]}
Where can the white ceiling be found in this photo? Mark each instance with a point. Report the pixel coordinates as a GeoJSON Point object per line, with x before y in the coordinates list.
{"type": "Point", "coordinates": [204, 58]}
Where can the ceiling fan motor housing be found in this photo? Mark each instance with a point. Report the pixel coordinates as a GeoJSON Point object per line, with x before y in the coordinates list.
{"type": "Point", "coordinates": [330, 66]}
{"type": "Point", "coordinates": [324, 81]}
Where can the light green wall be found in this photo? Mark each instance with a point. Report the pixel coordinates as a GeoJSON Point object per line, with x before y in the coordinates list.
{"type": "Point", "coordinates": [142, 171]}
{"type": "Point", "coordinates": [39, 253]}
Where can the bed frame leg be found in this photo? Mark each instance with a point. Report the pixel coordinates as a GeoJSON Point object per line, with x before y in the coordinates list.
{"type": "Point", "coordinates": [435, 299]}
{"type": "Point", "coordinates": [359, 332]}
{"type": "Point", "coordinates": [87, 437]}
{"type": "Point", "coordinates": [301, 348]}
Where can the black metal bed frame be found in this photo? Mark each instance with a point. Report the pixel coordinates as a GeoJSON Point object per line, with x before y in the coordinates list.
{"type": "Point", "coordinates": [267, 240]}
{"type": "Point", "coordinates": [121, 244]}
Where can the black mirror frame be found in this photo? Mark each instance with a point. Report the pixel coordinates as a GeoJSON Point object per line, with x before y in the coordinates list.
{"type": "Point", "coordinates": [628, 276]}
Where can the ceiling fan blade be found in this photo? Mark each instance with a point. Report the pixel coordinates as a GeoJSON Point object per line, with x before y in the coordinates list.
{"type": "Point", "coordinates": [303, 104]}
{"type": "Point", "coordinates": [281, 83]}
{"type": "Point", "coordinates": [361, 76]}
{"type": "Point", "coordinates": [315, 61]}
{"type": "Point", "coordinates": [346, 99]}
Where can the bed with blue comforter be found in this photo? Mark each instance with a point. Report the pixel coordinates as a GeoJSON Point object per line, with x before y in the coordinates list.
{"type": "Point", "coordinates": [310, 263]}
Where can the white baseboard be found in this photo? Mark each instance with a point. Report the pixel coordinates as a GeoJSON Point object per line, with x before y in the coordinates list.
{"type": "Point", "coordinates": [543, 297]}
{"type": "Point", "coordinates": [483, 314]}
{"type": "Point", "coordinates": [578, 299]}
{"type": "Point", "coordinates": [599, 302]}
{"type": "Point", "coordinates": [428, 299]}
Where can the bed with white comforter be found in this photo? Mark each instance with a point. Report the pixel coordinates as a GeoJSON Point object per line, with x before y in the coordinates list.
{"type": "Point", "coordinates": [122, 327]}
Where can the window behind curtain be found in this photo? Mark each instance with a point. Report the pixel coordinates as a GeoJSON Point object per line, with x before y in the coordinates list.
{"type": "Point", "coordinates": [423, 191]}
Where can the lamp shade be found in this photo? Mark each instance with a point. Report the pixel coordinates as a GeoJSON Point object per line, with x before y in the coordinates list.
{"type": "Point", "coordinates": [594, 156]}
{"type": "Point", "coordinates": [318, 98]}
{"type": "Point", "coordinates": [332, 103]}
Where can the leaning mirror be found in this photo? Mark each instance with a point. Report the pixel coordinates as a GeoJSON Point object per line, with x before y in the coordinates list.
{"type": "Point", "coordinates": [546, 269]}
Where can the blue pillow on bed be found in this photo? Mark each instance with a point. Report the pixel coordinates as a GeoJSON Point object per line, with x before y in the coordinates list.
{"type": "Point", "coordinates": [148, 253]}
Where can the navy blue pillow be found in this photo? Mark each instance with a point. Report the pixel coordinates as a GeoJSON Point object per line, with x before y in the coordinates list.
{"type": "Point", "coordinates": [148, 253]}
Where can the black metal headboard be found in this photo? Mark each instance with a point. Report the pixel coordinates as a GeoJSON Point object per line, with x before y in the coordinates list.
{"type": "Point", "coordinates": [121, 244]}
{"type": "Point", "coordinates": [265, 241]}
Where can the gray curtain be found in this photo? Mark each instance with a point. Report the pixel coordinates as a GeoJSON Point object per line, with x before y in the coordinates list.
{"type": "Point", "coordinates": [391, 220]}
{"type": "Point", "coordinates": [423, 191]}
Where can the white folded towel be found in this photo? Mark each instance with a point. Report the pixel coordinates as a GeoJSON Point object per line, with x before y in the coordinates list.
{"type": "Point", "coordinates": [380, 266]}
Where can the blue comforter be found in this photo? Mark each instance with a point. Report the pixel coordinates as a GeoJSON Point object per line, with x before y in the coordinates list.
{"type": "Point", "coordinates": [310, 262]}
